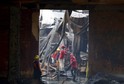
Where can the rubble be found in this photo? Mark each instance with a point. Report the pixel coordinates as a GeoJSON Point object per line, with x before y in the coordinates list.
{"type": "Point", "coordinates": [104, 78]}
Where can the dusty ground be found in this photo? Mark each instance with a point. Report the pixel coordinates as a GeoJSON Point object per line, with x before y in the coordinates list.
{"type": "Point", "coordinates": [65, 79]}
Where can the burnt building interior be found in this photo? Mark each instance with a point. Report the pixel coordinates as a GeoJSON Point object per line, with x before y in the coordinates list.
{"type": "Point", "coordinates": [19, 34]}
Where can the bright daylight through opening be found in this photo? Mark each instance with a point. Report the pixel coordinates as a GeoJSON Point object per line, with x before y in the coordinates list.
{"type": "Point", "coordinates": [63, 46]}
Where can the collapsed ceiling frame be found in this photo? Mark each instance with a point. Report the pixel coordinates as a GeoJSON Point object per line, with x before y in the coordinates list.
{"type": "Point", "coordinates": [52, 33]}
{"type": "Point", "coordinates": [62, 26]}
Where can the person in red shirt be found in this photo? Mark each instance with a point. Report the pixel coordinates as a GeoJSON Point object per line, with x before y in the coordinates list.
{"type": "Point", "coordinates": [54, 56]}
{"type": "Point", "coordinates": [62, 58]}
{"type": "Point", "coordinates": [74, 66]}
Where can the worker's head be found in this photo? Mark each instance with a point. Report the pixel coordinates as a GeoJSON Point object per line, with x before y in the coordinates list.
{"type": "Point", "coordinates": [36, 57]}
{"type": "Point", "coordinates": [71, 54]}
{"type": "Point", "coordinates": [58, 49]}
{"type": "Point", "coordinates": [62, 46]}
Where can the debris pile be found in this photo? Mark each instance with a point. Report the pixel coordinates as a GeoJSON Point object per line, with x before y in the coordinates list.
{"type": "Point", "coordinates": [103, 78]}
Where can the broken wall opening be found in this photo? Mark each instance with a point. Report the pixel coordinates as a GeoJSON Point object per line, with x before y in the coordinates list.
{"type": "Point", "coordinates": [63, 27]}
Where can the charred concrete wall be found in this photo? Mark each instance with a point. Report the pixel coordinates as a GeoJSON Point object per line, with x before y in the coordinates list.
{"type": "Point", "coordinates": [28, 42]}
{"type": "Point", "coordinates": [4, 40]}
{"type": "Point", "coordinates": [18, 41]}
{"type": "Point", "coordinates": [14, 45]}
{"type": "Point", "coordinates": [106, 40]}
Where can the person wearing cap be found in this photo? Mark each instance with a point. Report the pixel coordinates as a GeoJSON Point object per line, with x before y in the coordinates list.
{"type": "Point", "coordinates": [54, 56]}
{"type": "Point", "coordinates": [62, 58]}
{"type": "Point", "coordinates": [58, 53]}
{"type": "Point", "coordinates": [37, 70]}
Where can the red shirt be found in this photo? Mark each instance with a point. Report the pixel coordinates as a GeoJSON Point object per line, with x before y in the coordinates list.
{"type": "Point", "coordinates": [54, 55]}
{"type": "Point", "coordinates": [73, 61]}
{"type": "Point", "coordinates": [62, 53]}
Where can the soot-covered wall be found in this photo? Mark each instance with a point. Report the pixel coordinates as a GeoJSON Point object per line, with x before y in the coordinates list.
{"type": "Point", "coordinates": [106, 40]}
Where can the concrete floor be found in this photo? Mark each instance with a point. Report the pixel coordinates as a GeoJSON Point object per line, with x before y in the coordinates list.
{"type": "Point", "coordinates": [65, 79]}
{"type": "Point", "coordinates": [61, 81]}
